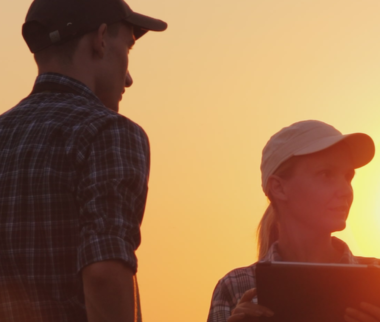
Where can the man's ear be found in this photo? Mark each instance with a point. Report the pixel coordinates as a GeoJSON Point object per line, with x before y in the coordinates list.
{"type": "Point", "coordinates": [99, 41]}
{"type": "Point", "coordinates": [276, 188]}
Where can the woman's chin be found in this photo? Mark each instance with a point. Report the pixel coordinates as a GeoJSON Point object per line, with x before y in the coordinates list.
{"type": "Point", "coordinates": [338, 226]}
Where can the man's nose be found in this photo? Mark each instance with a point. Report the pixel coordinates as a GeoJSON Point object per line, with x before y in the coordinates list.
{"type": "Point", "coordinates": [128, 80]}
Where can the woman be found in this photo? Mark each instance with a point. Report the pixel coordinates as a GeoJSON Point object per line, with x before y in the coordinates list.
{"type": "Point", "coordinates": [307, 170]}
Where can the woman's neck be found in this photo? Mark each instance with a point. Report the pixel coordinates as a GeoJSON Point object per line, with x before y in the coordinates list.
{"type": "Point", "coordinates": [306, 246]}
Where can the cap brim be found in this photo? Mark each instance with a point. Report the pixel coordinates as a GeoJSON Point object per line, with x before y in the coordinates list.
{"type": "Point", "coordinates": [361, 146]}
{"type": "Point", "coordinates": [144, 24]}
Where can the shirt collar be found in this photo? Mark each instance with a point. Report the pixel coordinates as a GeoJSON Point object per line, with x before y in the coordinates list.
{"type": "Point", "coordinates": [273, 254]}
{"type": "Point", "coordinates": [76, 86]}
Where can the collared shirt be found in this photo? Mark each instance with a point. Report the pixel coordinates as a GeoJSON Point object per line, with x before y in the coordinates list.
{"type": "Point", "coordinates": [73, 189]}
{"type": "Point", "coordinates": [231, 287]}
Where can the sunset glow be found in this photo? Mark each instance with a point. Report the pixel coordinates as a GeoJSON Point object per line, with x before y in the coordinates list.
{"type": "Point", "coordinates": [209, 92]}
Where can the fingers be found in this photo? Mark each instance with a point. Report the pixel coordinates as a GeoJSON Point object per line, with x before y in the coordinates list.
{"type": "Point", "coordinates": [248, 316]}
{"type": "Point", "coordinates": [247, 310]}
{"type": "Point", "coordinates": [371, 309]}
{"type": "Point", "coordinates": [348, 318]}
{"type": "Point", "coordinates": [248, 296]}
{"type": "Point", "coordinates": [236, 317]}
{"type": "Point", "coordinates": [367, 313]}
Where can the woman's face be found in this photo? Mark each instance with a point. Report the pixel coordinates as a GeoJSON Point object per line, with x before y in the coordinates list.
{"type": "Point", "coordinates": [319, 193]}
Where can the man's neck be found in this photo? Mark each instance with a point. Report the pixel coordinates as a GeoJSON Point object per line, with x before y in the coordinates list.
{"type": "Point", "coordinates": [69, 71]}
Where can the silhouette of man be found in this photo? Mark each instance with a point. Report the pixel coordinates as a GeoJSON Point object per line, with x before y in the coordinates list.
{"type": "Point", "coordinates": [73, 171]}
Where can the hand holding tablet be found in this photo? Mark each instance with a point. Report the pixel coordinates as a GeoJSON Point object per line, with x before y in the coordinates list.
{"type": "Point", "coordinates": [246, 310]}
{"type": "Point", "coordinates": [367, 313]}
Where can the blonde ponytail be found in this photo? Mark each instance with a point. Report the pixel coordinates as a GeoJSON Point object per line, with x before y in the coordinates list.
{"type": "Point", "coordinates": [267, 231]}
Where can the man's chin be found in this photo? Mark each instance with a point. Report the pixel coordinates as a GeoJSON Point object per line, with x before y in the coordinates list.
{"type": "Point", "coordinates": [113, 106]}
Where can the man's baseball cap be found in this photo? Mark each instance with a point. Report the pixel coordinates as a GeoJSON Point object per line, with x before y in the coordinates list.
{"type": "Point", "coordinates": [50, 22]}
{"type": "Point", "coordinates": [307, 137]}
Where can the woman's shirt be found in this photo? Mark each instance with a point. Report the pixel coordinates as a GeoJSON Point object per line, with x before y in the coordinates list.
{"type": "Point", "coordinates": [231, 287]}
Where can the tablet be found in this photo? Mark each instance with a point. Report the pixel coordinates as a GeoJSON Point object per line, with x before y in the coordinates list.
{"type": "Point", "coordinates": [305, 292]}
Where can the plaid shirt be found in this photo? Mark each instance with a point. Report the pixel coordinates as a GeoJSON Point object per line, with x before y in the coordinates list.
{"type": "Point", "coordinates": [73, 190]}
{"type": "Point", "coordinates": [231, 287]}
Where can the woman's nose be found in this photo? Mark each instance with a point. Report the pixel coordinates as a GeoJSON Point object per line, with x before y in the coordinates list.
{"type": "Point", "coordinates": [345, 189]}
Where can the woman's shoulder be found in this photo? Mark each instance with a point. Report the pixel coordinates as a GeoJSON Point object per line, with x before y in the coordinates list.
{"type": "Point", "coordinates": [229, 290]}
{"type": "Point", "coordinates": [242, 275]}
{"type": "Point", "coordinates": [234, 284]}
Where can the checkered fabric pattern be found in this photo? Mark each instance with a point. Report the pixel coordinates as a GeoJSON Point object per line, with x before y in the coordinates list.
{"type": "Point", "coordinates": [73, 189]}
{"type": "Point", "coordinates": [231, 287]}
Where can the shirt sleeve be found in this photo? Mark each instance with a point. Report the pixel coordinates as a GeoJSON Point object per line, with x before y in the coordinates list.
{"type": "Point", "coordinates": [221, 303]}
{"type": "Point", "coordinates": [112, 191]}
{"type": "Point", "coordinates": [228, 292]}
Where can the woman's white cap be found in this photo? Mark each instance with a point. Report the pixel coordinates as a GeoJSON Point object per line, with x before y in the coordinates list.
{"type": "Point", "coordinates": [307, 137]}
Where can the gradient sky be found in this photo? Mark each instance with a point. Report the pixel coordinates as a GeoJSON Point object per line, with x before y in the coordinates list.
{"type": "Point", "coordinates": [209, 92]}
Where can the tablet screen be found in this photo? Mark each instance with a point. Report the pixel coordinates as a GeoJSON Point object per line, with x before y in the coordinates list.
{"type": "Point", "coordinates": [304, 292]}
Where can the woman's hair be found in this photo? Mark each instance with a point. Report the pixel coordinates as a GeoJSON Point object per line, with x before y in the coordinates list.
{"type": "Point", "coordinates": [267, 231]}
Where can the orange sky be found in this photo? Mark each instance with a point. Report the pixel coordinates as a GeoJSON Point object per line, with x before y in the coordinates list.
{"type": "Point", "coordinates": [209, 92]}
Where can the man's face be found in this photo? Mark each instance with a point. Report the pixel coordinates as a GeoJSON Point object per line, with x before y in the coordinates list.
{"type": "Point", "coordinates": [115, 76]}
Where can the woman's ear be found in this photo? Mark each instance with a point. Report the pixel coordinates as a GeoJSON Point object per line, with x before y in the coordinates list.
{"type": "Point", "coordinates": [276, 188]}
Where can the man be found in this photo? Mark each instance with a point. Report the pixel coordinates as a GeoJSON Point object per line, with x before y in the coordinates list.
{"type": "Point", "coordinates": [73, 171]}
